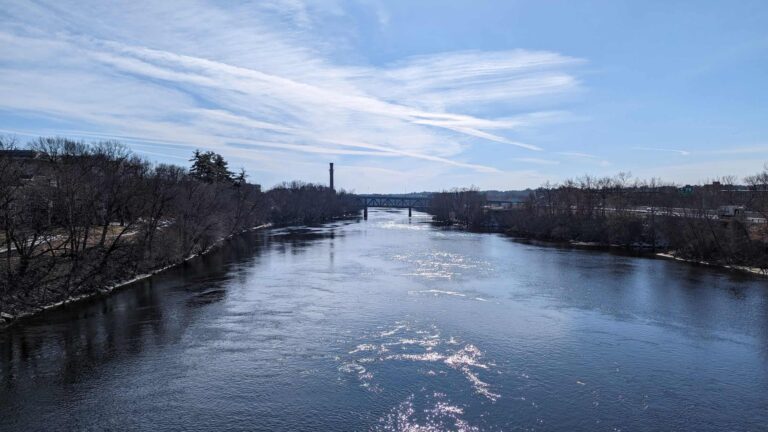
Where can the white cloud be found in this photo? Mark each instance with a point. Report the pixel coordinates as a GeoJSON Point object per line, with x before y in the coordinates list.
{"type": "Point", "coordinates": [255, 77]}
{"type": "Point", "coordinates": [537, 161]}
{"type": "Point", "coordinates": [680, 152]}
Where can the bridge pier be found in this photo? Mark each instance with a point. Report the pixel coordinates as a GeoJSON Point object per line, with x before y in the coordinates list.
{"type": "Point", "coordinates": [365, 213]}
{"type": "Point", "coordinates": [409, 211]}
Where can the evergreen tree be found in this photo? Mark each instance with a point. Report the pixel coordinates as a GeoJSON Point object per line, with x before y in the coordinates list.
{"type": "Point", "coordinates": [210, 167]}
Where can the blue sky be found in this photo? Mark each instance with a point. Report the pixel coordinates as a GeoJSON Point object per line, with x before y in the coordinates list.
{"type": "Point", "coordinates": [401, 95]}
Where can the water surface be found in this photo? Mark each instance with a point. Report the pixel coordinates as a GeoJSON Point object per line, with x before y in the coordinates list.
{"type": "Point", "coordinates": [392, 324]}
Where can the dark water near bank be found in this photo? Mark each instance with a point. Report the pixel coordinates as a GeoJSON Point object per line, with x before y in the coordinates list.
{"type": "Point", "coordinates": [395, 325]}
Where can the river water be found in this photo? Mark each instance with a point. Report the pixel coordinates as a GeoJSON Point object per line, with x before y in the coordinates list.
{"type": "Point", "coordinates": [392, 324]}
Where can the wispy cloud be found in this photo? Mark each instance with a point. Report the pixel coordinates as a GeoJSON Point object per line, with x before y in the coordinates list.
{"type": "Point", "coordinates": [537, 161]}
{"type": "Point", "coordinates": [656, 149]}
{"type": "Point", "coordinates": [254, 77]}
{"type": "Point", "coordinates": [578, 155]}
{"type": "Point", "coordinates": [586, 158]}
{"type": "Point", "coordinates": [454, 79]}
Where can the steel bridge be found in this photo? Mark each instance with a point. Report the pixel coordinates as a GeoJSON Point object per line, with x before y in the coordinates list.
{"type": "Point", "coordinates": [392, 201]}
{"type": "Point", "coordinates": [419, 203]}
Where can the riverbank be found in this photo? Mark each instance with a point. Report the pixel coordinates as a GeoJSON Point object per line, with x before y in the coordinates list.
{"type": "Point", "coordinates": [7, 320]}
{"type": "Point", "coordinates": [89, 217]}
{"type": "Point", "coordinates": [643, 251]}
{"type": "Point", "coordinates": [639, 249]}
{"type": "Point", "coordinates": [744, 269]}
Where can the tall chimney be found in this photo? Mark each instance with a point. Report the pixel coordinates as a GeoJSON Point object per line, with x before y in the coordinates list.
{"type": "Point", "coordinates": [331, 170]}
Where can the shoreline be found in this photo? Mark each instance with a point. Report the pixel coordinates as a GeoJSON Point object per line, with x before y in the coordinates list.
{"type": "Point", "coordinates": [7, 320]}
{"type": "Point", "coordinates": [641, 251]}
{"type": "Point", "coordinates": [644, 252]}
{"type": "Point", "coordinates": [743, 269]}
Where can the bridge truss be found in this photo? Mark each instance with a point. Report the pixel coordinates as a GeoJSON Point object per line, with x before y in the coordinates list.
{"type": "Point", "coordinates": [393, 201]}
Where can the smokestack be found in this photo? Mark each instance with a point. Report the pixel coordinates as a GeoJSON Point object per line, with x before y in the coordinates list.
{"type": "Point", "coordinates": [331, 170]}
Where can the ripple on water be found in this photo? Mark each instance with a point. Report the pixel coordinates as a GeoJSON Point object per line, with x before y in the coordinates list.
{"type": "Point", "coordinates": [402, 343]}
{"type": "Point", "coordinates": [439, 416]}
{"type": "Point", "coordinates": [446, 293]}
{"type": "Point", "coordinates": [364, 347]}
{"type": "Point", "coordinates": [404, 226]}
{"type": "Point", "coordinates": [437, 292]}
{"type": "Point", "coordinates": [443, 265]}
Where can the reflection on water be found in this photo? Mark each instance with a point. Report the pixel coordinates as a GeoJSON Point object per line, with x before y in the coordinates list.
{"type": "Point", "coordinates": [402, 344]}
{"type": "Point", "coordinates": [444, 265]}
{"type": "Point", "coordinates": [392, 324]}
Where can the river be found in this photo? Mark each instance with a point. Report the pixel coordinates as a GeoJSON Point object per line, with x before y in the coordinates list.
{"type": "Point", "coordinates": [393, 324]}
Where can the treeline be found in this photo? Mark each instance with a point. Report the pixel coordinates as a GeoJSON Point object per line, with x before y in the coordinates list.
{"type": "Point", "coordinates": [721, 222]}
{"type": "Point", "coordinates": [462, 206]}
{"type": "Point", "coordinates": [77, 218]}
